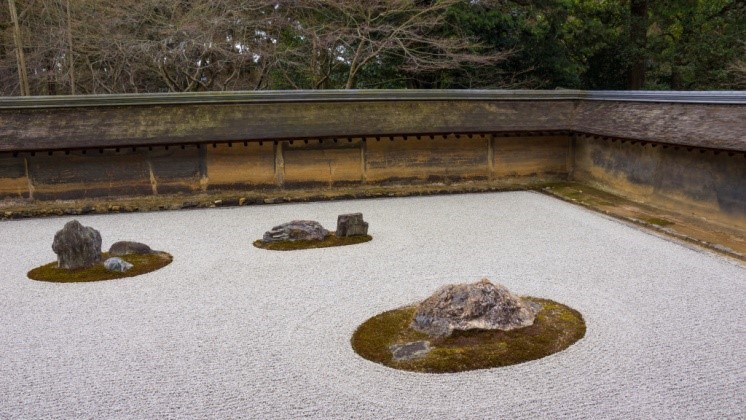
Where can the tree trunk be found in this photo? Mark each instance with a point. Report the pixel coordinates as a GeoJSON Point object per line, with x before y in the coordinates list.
{"type": "Point", "coordinates": [638, 37]}
{"type": "Point", "coordinates": [70, 50]}
{"type": "Point", "coordinates": [20, 56]}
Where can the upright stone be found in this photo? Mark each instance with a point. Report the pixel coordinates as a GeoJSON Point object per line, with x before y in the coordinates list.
{"type": "Point", "coordinates": [351, 225]}
{"type": "Point", "coordinates": [481, 305]}
{"type": "Point", "coordinates": [77, 246]}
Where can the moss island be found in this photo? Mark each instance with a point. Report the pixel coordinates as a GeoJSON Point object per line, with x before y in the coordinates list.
{"type": "Point", "coordinates": [555, 328]}
{"type": "Point", "coordinates": [328, 241]}
{"type": "Point", "coordinates": [142, 263]}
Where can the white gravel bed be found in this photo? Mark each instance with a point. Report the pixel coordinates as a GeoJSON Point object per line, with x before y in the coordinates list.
{"type": "Point", "coordinates": [228, 330]}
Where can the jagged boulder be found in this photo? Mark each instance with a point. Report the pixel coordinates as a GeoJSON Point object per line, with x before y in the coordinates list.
{"type": "Point", "coordinates": [480, 305]}
{"type": "Point", "coordinates": [117, 264]}
{"type": "Point", "coordinates": [297, 230]}
{"type": "Point", "coordinates": [77, 246]}
{"type": "Point", "coordinates": [122, 248]}
{"type": "Point", "coordinates": [351, 225]}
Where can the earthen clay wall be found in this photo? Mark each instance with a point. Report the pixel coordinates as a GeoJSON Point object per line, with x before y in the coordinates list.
{"type": "Point", "coordinates": [310, 163]}
{"type": "Point", "coordinates": [685, 152]}
{"type": "Point", "coordinates": [708, 183]}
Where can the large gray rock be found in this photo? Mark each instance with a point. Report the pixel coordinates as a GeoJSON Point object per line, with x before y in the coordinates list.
{"type": "Point", "coordinates": [351, 225]}
{"type": "Point", "coordinates": [117, 264]}
{"type": "Point", "coordinates": [77, 246]}
{"type": "Point", "coordinates": [297, 230]}
{"type": "Point", "coordinates": [122, 248]}
{"type": "Point", "coordinates": [481, 305]}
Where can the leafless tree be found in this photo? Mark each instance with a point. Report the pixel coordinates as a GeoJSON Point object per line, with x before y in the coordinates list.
{"type": "Point", "coordinates": [101, 46]}
{"type": "Point", "coordinates": [18, 48]}
{"type": "Point", "coordinates": [354, 34]}
{"type": "Point", "coordinates": [737, 70]}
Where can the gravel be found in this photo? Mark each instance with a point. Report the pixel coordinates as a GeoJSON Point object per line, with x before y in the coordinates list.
{"type": "Point", "coordinates": [228, 330]}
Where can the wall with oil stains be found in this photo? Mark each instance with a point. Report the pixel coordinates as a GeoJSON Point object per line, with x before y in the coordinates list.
{"type": "Point", "coordinates": [701, 182]}
{"type": "Point", "coordinates": [272, 165]}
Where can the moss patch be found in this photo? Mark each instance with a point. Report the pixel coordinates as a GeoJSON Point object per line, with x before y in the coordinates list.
{"type": "Point", "coordinates": [556, 328]}
{"type": "Point", "coordinates": [658, 221]}
{"type": "Point", "coordinates": [144, 263]}
{"type": "Point", "coordinates": [329, 240]}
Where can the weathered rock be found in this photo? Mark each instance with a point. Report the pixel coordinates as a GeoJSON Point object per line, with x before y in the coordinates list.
{"type": "Point", "coordinates": [481, 305]}
{"type": "Point", "coordinates": [409, 351]}
{"type": "Point", "coordinates": [351, 225]}
{"type": "Point", "coordinates": [117, 264]}
{"type": "Point", "coordinates": [297, 230]}
{"type": "Point", "coordinates": [122, 248]}
{"type": "Point", "coordinates": [77, 246]}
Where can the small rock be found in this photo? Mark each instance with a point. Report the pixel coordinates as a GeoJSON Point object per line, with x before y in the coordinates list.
{"type": "Point", "coordinates": [242, 201]}
{"type": "Point", "coordinates": [122, 248]}
{"type": "Point", "coordinates": [297, 230]}
{"type": "Point", "coordinates": [351, 225]}
{"type": "Point", "coordinates": [723, 248]}
{"type": "Point", "coordinates": [481, 305]}
{"type": "Point", "coordinates": [218, 202]}
{"type": "Point", "coordinates": [409, 351]}
{"type": "Point", "coordinates": [117, 264]}
{"type": "Point", "coordinates": [77, 246]}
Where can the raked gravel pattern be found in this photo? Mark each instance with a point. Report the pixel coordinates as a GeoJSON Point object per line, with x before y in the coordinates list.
{"type": "Point", "coordinates": [228, 330]}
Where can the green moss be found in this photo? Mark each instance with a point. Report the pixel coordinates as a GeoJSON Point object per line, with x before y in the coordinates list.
{"type": "Point", "coordinates": [144, 263]}
{"type": "Point", "coordinates": [329, 240]}
{"type": "Point", "coordinates": [556, 327]}
{"type": "Point", "coordinates": [658, 221]}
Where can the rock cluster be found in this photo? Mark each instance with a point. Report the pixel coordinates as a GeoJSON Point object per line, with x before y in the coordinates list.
{"type": "Point", "coordinates": [481, 305]}
{"type": "Point", "coordinates": [77, 246]}
{"type": "Point", "coordinates": [122, 248]}
{"type": "Point", "coordinates": [351, 225]}
{"type": "Point", "coordinates": [297, 230]}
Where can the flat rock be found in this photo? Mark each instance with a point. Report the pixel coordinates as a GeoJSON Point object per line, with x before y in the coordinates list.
{"type": "Point", "coordinates": [117, 264]}
{"type": "Point", "coordinates": [351, 225]}
{"type": "Point", "coordinates": [77, 246]}
{"type": "Point", "coordinates": [297, 230]}
{"type": "Point", "coordinates": [409, 351]}
{"type": "Point", "coordinates": [480, 305]}
{"type": "Point", "coordinates": [122, 248]}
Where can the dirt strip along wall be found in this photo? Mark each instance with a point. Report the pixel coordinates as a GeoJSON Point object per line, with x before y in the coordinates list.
{"type": "Point", "coordinates": [272, 165]}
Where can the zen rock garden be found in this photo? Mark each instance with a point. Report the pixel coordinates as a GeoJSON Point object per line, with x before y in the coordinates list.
{"type": "Point", "coordinates": [468, 326]}
{"type": "Point", "coordinates": [79, 257]}
{"type": "Point", "coordinates": [306, 234]}
{"type": "Point", "coordinates": [459, 327]}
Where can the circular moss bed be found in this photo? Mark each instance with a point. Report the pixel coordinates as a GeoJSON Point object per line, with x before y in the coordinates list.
{"type": "Point", "coordinates": [328, 241]}
{"type": "Point", "coordinates": [556, 328]}
{"type": "Point", "coordinates": [143, 263]}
